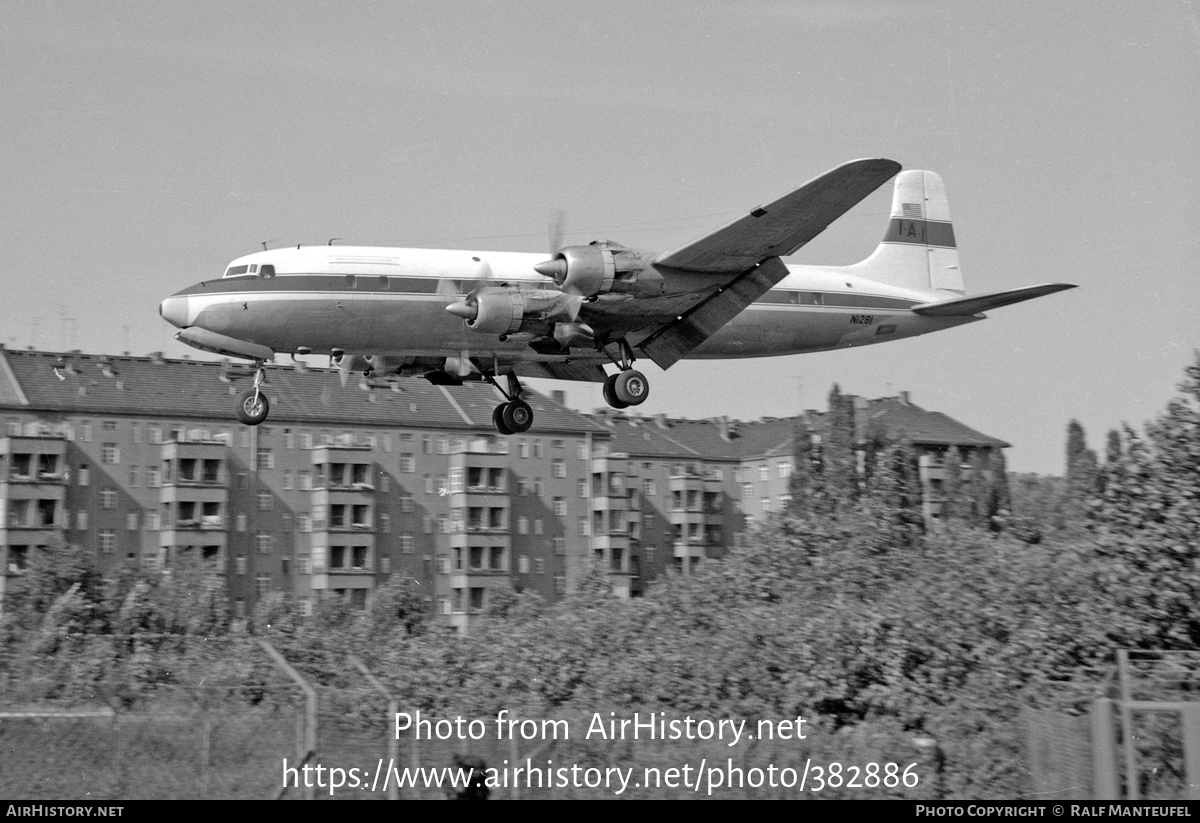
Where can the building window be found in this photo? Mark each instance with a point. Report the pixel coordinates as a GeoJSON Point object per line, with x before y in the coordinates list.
{"type": "Point", "coordinates": [408, 464]}
{"type": "Point", "coordinates": [133, 476]}
{"type": "Point", "coordinates": [289, 439]}
{"type": "Point", "coordinates": [784, 470]}
{"type": "Point", "coordinates": [385, 522]}
{"type": "Point", "coordinates": [305, 522]}
{"type": "Point", "coordinates": [581, 450]}
{"type": "Point", "coordinates": [537, 525]}
{"type": "Point", "coordinates": [523, 448]}
{"type": "Point", "coordinates": [108, 499]}
{"type": "Point", "coordinates": [305, 481]}
{"type": "Point", "coordinates": [264, 501]}
{"type": "Point", "coordinates": [406, 503]}
{"type": "Point", "coordinates": [406, 543]}
{"type": "Point", "coordinates": [560, 545]}
{"type": "Point", "coordinates": [131, 521]}
{"type": "Point", "coordinates": [560, 583]}
{"type": "Point", "coordinates": [560, 507]}
{"type": "Point", "coordinates": [443, 445]}
{"type": "Point", "coordinates": [85, 476]}
{"type": "Point", "coordinates": [306, 440]}
{"type": "Point", "coordinates": [648, 488]}
{"type": "Point", "coordinates": [651, 551]}
{"type": "Point", "coordinates": [239, 565]}
{"type": "Point", "coordinates": [85, 432]}
{"type": "Point", "coordinates": [581, 487]}
{"type": "Point", "coordinates": [153, 477]}
{"type": "Point", "coordinates": [766, 504]}
{"type": "Point", "coordinates": [539, 565]}
{"type": "Point", "coordinates": [583, 527]}
{"type": "Point", "coordinates": [287, 481]}
{"type": "Point", "coordinates": [110, 454]}
{"type": "Point", "coordinates": [538, 488]}
{"type": "Point", "coordinates": [81, 520]}
{"type": "Point", "coordinates": [537, 449]}
{"type": "Point", "coordinates": [262, 584]}
{"type": "Point", "coordinates": [241, 522]}
{"type": "Point", "coordinates": [108, 540]}
{"type": "Point", "coordinates": [265, 460]}
{"type": "Point", "coordinates": [559, 468]}
{"type": "Point", "coordinates": [523, 564]}
{"type": "Point", "coordinates": [522, 525]}
{"type": "Point", "coordinates": [764, 473]}
{"type": "Point", "coordinates": [263, 541]}
{"type": "Point", "coordinates": [153, 521]}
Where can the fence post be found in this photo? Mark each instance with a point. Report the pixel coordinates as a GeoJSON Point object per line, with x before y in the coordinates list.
{"type": "Point", "coordinates": [309, 744]}
{"type": "Point", "coordinates": [1191, 750]}
{"type": "Point", "coordinates": [1104, 751]}
{"type": "Point", "coordinates": [393, 743]}
{"type": "Point", "coordinates": [1133, 790]}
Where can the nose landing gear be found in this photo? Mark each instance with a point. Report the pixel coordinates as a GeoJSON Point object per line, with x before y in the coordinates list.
{"type": "Point", "coordinates": [514, 416]}
{"type": "Point", "coordinates": [252, 405]}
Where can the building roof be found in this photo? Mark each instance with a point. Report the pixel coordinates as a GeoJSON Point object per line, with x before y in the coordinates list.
{"type": "Point", "coordinates": [704, 439]}
{"type": "Point", "coordinates": [77, 383]}
{"type": "Point", "coordinates": [901, 419]}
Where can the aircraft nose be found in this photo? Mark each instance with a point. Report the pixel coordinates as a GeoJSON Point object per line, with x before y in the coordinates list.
{"type": "Point", "coordinates": [174, 310]}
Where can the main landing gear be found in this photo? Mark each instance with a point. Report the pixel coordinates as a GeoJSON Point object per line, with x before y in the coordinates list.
{"type": "Point", "coordinates": [252, 406]}
{"type": "Point", "coordinates": [628, 387]}
{"type": "Point", "coordinates": [514, 416]}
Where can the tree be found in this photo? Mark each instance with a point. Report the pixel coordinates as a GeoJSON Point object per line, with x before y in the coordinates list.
{"type": "Point", "coordinates": [1081, 477]}
{"type": "Point", "coordinates": [838, 451]}
{"type": "Point", "coordinates": [1150, 523]}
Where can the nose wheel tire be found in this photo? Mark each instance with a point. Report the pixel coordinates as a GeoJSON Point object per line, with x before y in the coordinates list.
{"type": "Point", "coordinates": [252, 407]}
{"type": "Point", "coordinates": [629, 386]}
{"type": "Point", "coordinates": [517, 416]}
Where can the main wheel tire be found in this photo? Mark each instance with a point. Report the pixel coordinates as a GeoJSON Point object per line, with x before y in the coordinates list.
{"type": "Point", "coordinates": [498, 420]}
{"type": "Point", "coordinates": [250, 409]}
{"type": "Point", "coordinates": [631, 387]}
{"type": "Point", "coordinates": [610, 396]}
{"type": "Point", "coordinates": [517, 416]}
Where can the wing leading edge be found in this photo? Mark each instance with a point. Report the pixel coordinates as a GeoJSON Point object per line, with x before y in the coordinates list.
{"type": "Point", "coordinates": [750, 248]}
{"type": "Point", "coordinates": [783, 226]}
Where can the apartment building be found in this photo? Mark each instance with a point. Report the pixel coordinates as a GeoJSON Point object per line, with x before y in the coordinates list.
{"type": "Point", "coordinates": [140, 461]}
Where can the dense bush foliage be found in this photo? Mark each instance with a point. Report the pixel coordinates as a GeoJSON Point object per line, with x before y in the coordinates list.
{"type": "Point", "coordinates": [843, 611]}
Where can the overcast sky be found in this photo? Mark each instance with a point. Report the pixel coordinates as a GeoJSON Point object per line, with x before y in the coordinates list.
{"type": "Point", "coordinates": [146, 144]}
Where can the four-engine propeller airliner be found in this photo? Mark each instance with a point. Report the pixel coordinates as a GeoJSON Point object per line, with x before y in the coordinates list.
{"type": "Point", "coordinates": [472, 315]}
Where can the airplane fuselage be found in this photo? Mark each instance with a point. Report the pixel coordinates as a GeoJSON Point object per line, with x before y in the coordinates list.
{"type": "Point", "coordinates": [392, 302]}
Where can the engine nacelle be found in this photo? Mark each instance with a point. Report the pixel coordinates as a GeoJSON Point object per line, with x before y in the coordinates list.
{"type": "Point", "coordinates": [498, 311]}
{"type": "Point", "coordinates": [585, 270]}
{"type": "Point", "coordinates": [502, 311]}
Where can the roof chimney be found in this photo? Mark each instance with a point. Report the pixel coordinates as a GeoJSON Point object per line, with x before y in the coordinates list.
{"type": "Point", "coordinates": [904, 398]}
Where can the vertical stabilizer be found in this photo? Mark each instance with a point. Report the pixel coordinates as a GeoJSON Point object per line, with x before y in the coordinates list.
{"type": "Point", "coordinates": [918, 250]}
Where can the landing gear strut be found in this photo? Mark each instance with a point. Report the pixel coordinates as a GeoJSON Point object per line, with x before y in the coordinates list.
{"type": "Point", "coordinates": [514, 416]}
{"type": "Point", "coordinates": [252, 406]}
{"type": "Point", "coordinates": [628, 387]}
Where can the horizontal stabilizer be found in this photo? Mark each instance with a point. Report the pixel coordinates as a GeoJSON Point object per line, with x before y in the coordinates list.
{"type": "Point", "coordinates": [966, 306]}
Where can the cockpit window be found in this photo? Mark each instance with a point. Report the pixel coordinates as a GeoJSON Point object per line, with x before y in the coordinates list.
{"type": "Point", "coordinates": [234, 271]}
{"type": "Point", "coordinates": [267, 270]}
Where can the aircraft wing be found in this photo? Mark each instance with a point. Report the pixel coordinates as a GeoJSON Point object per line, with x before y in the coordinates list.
{"type": "Point", "coordinates": [780, 228]}
{"type": "Point", "coordinates": [673, 341]}
{"type": "Point", "coordinates": [966, 306]}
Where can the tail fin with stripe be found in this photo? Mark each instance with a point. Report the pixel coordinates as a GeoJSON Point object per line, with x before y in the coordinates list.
{"type": "Point", "coordinates": [918, 250]}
